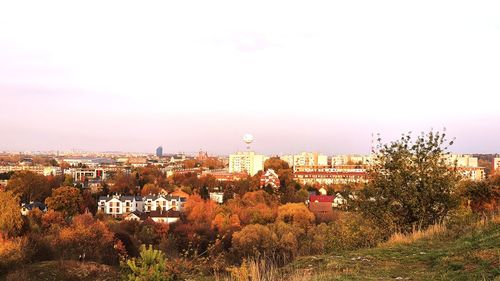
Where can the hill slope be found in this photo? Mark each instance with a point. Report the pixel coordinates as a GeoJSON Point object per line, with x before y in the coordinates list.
{"type": "Point", "coordinates": [472, 256]}
{"type": "Point", "coordinates": [63, 271]}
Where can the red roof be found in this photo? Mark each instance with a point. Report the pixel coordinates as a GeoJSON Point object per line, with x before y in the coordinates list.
{"type": "Point", "coordinates": [321, 198]}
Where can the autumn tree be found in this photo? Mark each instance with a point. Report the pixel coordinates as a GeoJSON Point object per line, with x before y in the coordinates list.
{"type": "Point", "coordinates": [255, 207]}
{"type": "Point", "coordinates": [282, 169]}
{"type": "Point", "coordinates": [29, 186]}
{"type": "Point", "coordinates": [124, 183]}
{"type": "Point", "coordinates": [410, 184]}
{"type": "Point", "coordinates": [254, 239]}
{"type": "Point", "coordinates": [65, 199]}
{"type": "Point", "coordinates": [53, 220]}
{"type": "Point", "coordinates": [150, 188]}
{"type": "Point", "coordinates": [88, 236]}
{"type": "Point", "coordinates": [11, 220]}
{"type": "Point", "coordinates": [296, 214]}
{"type": "Point", "coordinates": [200, 212]}
{"type": "Point", "coordinates": [483, 196]}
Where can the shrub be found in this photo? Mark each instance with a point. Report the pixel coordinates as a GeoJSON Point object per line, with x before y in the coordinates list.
{"type": "Point", "coordinates": [150, 266]}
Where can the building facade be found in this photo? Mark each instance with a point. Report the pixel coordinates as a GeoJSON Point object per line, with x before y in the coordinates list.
{"type": "Point", "coordinates": [247, 162]}
{"type": "Point", "coordinates": [496, 165]}
{"type": "Point", "coordinates": [159, 151]}
{"type": "Point", "coordinates": [306, 159]}
{"type": "Point", "coordinates": [327, 176]}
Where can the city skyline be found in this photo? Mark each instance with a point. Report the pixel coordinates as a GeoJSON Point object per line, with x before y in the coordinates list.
{"type": "Point", "coordinates": [322, 78]}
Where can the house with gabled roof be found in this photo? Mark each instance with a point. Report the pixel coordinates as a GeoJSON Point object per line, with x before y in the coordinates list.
{"type": "Point", "coordinates": [120, 205]}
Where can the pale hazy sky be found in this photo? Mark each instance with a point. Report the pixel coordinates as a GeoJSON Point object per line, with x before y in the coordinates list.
{"type": "Point", "coordinates": [298, 75]}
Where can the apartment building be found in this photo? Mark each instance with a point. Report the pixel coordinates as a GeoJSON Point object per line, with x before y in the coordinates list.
{"type": "Point", "coordinates": [116, 205]}
{"type": "Point", "coordinates": [247, 162]}
{"type": "Point", "coordinates": [306, 159]}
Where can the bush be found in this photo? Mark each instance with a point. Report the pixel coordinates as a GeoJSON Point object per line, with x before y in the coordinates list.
{"type": "Point", "coordinates": [11, 253]}
{"type": "Point", "coordinates": [150, 266]}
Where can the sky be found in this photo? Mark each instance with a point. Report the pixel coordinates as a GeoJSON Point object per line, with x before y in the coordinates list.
{"type": "Point", "coordinates": [298, 75]}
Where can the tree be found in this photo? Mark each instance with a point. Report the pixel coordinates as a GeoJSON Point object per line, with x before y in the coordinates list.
{"type": "Point", "coordinates": [483, 196]}
{"type": "Point", "coordinates": [282, 169]}
{"type": "Point", "coordinates": [410, 185]}
{"type": "Point", "coordinates": [150, 266]}
{"type": "Point", "coordinates": [296, 214]}
{"type": "Point", "coordinates": [254, 239]}
{"type": "Point", "coordinates": [88, 236]}
{"type": "Point", "coordinates": [150, 188]}
{"type": "Point", "coordinates": [255, 207]}
{"type": "Point", "coordinates": [199, 212]}
{"type": "Point", "coordinates": [29, 186]}
{"type": "Point", "coordinates": [65, 199]}
{"type": "Point", "coordinates": [124, 184]}
{"type": "Point", "coordinates": [11, 220]}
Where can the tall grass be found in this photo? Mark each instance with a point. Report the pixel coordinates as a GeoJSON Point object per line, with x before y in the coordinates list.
{"type": "Point", "coordinates": [437, 230]}
{"type": "Point", "coordinates": [261, 269]}
{"type": "Point", "coordinates": [399, 238]}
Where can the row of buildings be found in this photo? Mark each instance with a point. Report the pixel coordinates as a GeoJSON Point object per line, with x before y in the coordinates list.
{"type": "Point", "coordinates": [310, 168]}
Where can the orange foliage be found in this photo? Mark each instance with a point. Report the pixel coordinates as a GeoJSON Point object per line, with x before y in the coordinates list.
{"type": "Point", "coordinates": [87, 236]}
{"type": "Point", "coordinates": [200, 213]}
{"type": "Point", "coordinates": [255, 207]}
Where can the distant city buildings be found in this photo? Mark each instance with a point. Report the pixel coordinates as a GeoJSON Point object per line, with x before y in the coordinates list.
{"type": "Point", "coordinates": [89, 161]}
{"type": "Point", "coordinates": [339, 160]}
{"type": "Point", "coordinates": [159, 151]}
{"type": "Point", "coordinates": [247, 162]}
{"type": "Point", "coordinates": [310, 159]}
{"type": "Point", "coordinates": [461, 160]}
{"type": "Point", "coordinates": [327, 176]}
{"type": "Point", "coordinates": [39, 169]}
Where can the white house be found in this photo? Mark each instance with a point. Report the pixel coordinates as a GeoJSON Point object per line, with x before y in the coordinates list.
{"type": "Point", "coordinates": [322, 191]}
{"type": "Point", "coordinates": [217, 197]}
{"type": "Point", "coordinates": [119, 205]}
{"type": "Point", "coordinates": [161, 216]}
{"type": "Point", "coordinates": [339, 200]}
{"type": "Point", "coordinates": [26, 208]}
{"type": "Point", "coordinates": [163, 202]}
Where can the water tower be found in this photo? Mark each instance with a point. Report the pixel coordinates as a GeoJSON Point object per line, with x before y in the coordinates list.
{"type": "Point", "coordinates": [248, 139]}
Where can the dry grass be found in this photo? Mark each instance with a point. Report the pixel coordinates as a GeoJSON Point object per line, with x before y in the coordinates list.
{"type": "Point", "coordinates": [417, 234]}
{"type": "Point", "coordinates": [262, 270]}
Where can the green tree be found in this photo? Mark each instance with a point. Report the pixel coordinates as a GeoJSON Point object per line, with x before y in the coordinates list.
{"type": "Point", "coordinates": [65, 199]}
{"type": "Point", "coordinates": [150, 266]}
{"type": "Point", "coordinates": [11, 220]}
{"type": "Point", "coordinates": [29, 186]}
{"type": "Point", "coordinates": [411, 185]}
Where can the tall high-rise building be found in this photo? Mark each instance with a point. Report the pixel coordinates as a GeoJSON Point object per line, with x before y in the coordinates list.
{"type": "Point", "coordinates": [247, 162]}
{"type": "Point", "coordinates": [159, 151]}
{"type": "Point", "coordinates": [496, 165]}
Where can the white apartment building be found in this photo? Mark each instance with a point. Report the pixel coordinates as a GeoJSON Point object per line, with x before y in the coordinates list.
{"type": "Point", "coordinates": [247, 162]}
{"type": "Point", "coordinates": [39, 169]}
{"type": "Point", "coordinates": [163, 203]}
{"type": "Point", "coordinates": [306, 159]}
{"type": "Point", "coordinates": [119, 205]}
{"type": "Point", "coordinates": [462, 160]}
{"type": "Point", "coordinates": [82, 174]}
{"type": "Point", "coordinates": [496, 165]}
{"type": "Point", "coordinates": [339, 160]}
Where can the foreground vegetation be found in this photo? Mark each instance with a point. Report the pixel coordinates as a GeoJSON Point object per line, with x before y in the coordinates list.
{"type": "Point", "coordinates": [471, 252]}
{"type": "Point", "coordinates": [473, 256]}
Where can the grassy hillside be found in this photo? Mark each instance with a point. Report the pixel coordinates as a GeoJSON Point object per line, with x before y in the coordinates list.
{"type": "Point", "coordinates": [63, 271]}
{"type": "Point", "coordinates": [441, 256]}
